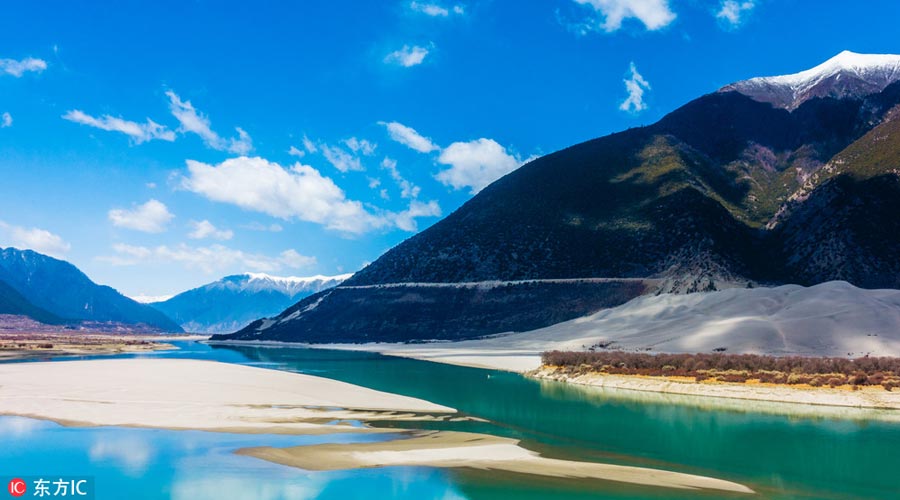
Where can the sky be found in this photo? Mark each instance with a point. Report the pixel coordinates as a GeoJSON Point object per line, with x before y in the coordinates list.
{"type": "Point", "coordinates": [162, 145]}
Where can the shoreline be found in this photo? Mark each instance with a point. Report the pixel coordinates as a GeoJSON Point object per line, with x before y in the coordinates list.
{"type": "Point", "coordinates": [181, 394]}
{"type": "Point", "coordinates": [814, 398]}
{"type": "Point", "coordinates": [814, 402]}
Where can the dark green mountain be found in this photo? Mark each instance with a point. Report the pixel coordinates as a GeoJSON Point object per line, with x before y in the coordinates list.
{"type": "Point", "coordinates": [60, 288]}
{"type": "Point", "coordinates": [728, 190]}
{"type": "Point", "coordinates": [12, 302]}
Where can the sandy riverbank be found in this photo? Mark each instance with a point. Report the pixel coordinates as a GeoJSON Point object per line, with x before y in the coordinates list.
{"type": "Point", "coordinates": [866, 397]}
{"type": "Point", "coordinates": [190, 394]}
{"type": "Point", "coordinates": [27, 345]}
{"type": "Point", "coordinates": [476, 451]}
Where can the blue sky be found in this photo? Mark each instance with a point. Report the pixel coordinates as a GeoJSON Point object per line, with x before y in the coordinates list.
{"type": "Point", "coordinates": [162, 145]}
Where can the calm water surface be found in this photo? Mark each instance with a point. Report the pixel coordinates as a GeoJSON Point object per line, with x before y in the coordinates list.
{"type": "Point", "coordinates": [779, 456]}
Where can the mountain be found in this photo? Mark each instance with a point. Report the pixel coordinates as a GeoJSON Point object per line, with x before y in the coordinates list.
{"type": "Point", "coordinates": [737, 188]}
{"type": "Point", "coordinates": [12, 302]}
{"type": "Point", "coordinates": [234, 301]}
{"type": "Point", "coordinates": [60, 288]}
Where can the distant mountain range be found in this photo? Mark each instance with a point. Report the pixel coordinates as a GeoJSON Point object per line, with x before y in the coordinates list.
{"type": "Point", "coordinates": [51, 291]}
{"type": "Point", "coordinates": [792, 179]}
{"type": "Point", "coordinates": [233, 302]}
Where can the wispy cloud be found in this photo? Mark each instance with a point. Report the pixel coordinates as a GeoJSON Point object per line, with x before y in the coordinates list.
{"type": "Point", "coordinates": [209, 259]}
{"type": "Point", "coordinates": [610, 14]}
{"type": "Point", "coordinates": [407, 189]}
{"type": "Point", "coordinates": [407, 56]}
{"type": "Point", "coordinates": [436, 10]}
{"type": "Point", "coordinates": [151, 217]}
{"type": "Point", "coordinates": [636, 85]}
{"type": "Point", "coordinates": [731, 12]}
{"type": "Point", "coordinates": [205, 229]}
{"type": "Point", "coordinates": [409, 137]}
{"type": "Point", "coordinates": [6, 120]}
{"type": "Point", "coordinates": [17, 68]}
{"type": "Point", "coordinates": [195, 122]}
{"type": "Point", "coordinates": [138, 132]}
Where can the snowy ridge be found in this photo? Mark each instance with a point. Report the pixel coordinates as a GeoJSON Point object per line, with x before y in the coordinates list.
{"type": "Point", "coordinates": [288, 285]}
{"type": "Point", "coordinates": [847, 74]}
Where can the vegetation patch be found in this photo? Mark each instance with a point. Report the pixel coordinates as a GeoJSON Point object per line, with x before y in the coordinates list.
{"type": "Point", "coordinates": [734, 368]}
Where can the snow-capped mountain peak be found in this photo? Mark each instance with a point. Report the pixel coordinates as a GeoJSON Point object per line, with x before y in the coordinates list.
{"type": "Point", "coordinates": [847, 74]}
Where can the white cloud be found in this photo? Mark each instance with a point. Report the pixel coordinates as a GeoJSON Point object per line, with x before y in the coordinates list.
{"type": "Point", "coordinates": [39, 240]}
{"type": "Point", "coordinates": [299, 192]}
{"type": "Point", "coordinates": [409, 137]}
{"type": "Point", "coordinates": [731, 11]}
{"type": "Point", "coordinates": [209, 259]}
{"type": "Point", "coordinates": [195, 122]}
{"type": "Point", "coordinates": [205, 229]}
{"type": "Point", "coordinates": [293, 151]}
{"type": "Point", "coordinates": [5, 120]}
{"type": "Point", "coordinates": [475, 164]}
{"type": "Point", "coordinates": [309, 145]}
{"type": "Point", "coordinates": [654, 14]}
{"type": "Point", "coordinates": [636, 86]}
{"type": "Point", "coordinates": [406, 220]}
{"type": "Point", "coordinates": [340, 159]}
{"type": "Point", "coordinates": [361, 146]}
{"type": "Point", "coordinates": [151, 217]}
{"type": "Point", "coordinates": [19, 68]}
{"type": "Point", "coordinates": [435, 10]}
{"type": "Point", "coordinates": [407, 189]}
{"type": "Point", "coordinates": [407, 56]}
{"type": "Point", "coordinates": [138, 132]}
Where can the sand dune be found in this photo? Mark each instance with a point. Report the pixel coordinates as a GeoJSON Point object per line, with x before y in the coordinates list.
{"type": "Point", "coordinates": [830, 319]}
{"type": "Point", "coordinates": [477, 451]}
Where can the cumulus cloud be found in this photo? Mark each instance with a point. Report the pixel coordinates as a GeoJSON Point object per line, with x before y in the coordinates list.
{"type": "Point", "coordinates": [636, 86]}
{"type": "Point", "coordinates": [151, 217]}
{"type": "Point", "coordinates": [653, 14]}
{"type": "Point", "coordinates": [205, 229]}
{"type": "Point", "coordinates": [32, 238]}
{"type": "Point", "coordinates": [138, 132]}
{"type": "Point", "coordinates": [475, 164]}
{"type": "Point", "coordinates": [17, 68]}
{"type": "Point", "coordinates": [407, 189]}
{"type": "Point", "coordinates": [210, 259]}
{"type": "Point", "coordinates": [409, 137]}
{"type": "Point", "coordinates": [195, 122]}
{"type": "Point", "coordinates": [434, 9]}
{"type": "Point", "coordinates": [731, 12]}
{"type": "Point", "coordinates": [407, 56]}
{"type": "Point", "coordinates": [299, 192]}
{"type": "Point", "coordinates": [6, 120]}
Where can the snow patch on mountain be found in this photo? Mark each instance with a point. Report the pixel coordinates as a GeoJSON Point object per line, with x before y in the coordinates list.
{"type": "Point", "coordinates": [847, 74]}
